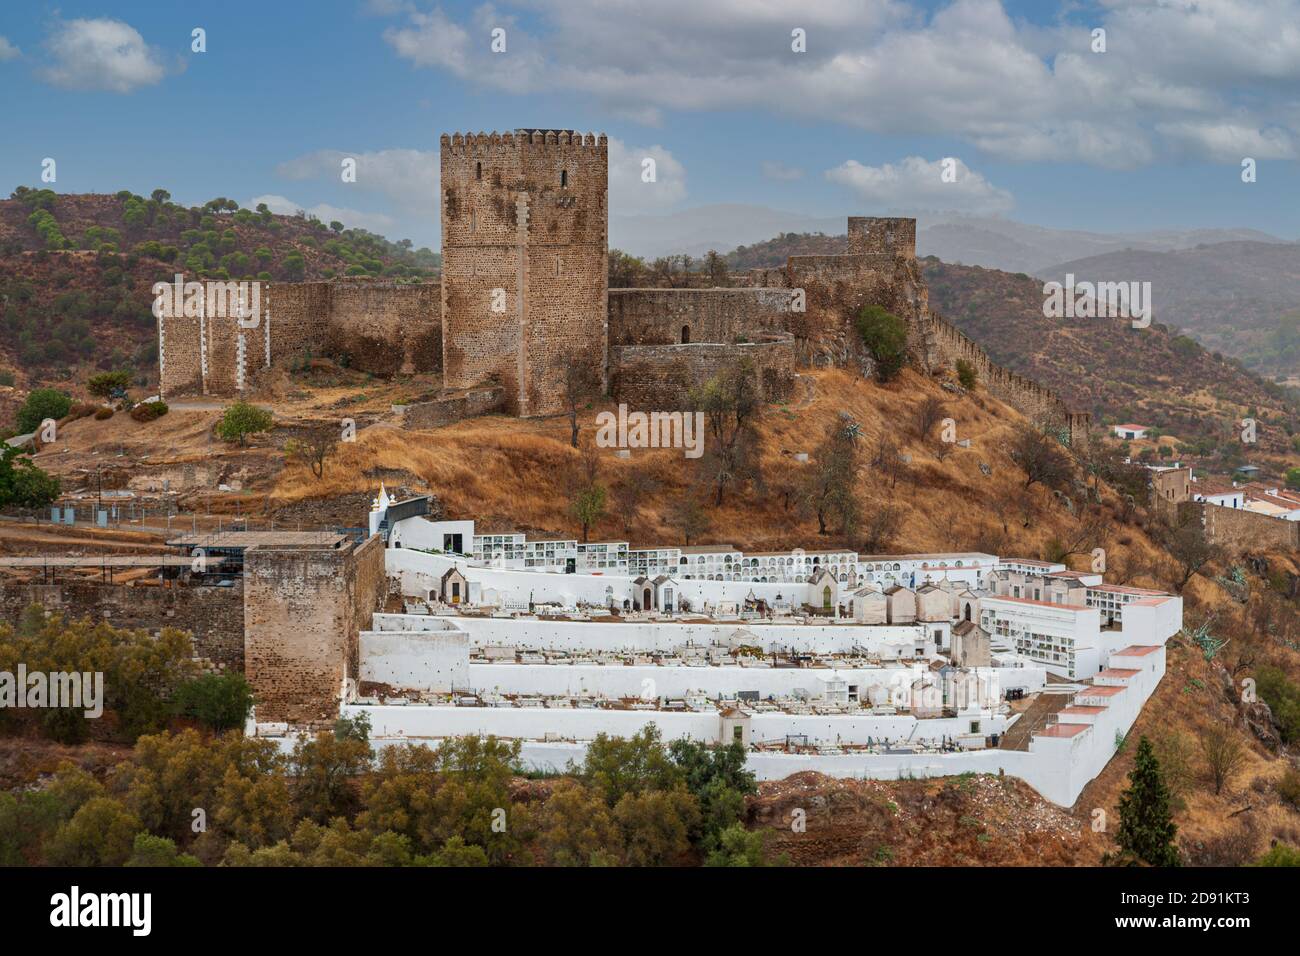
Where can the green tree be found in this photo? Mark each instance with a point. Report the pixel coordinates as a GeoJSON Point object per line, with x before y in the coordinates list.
{"type": "Point", "coordinates": [1146, 828]}
{"type": "Point", "coordinates": [109, 384]}
{"type": "Point", "coordinates": [885, 337]}
{"type": "Point", "coordinates": [41, 404]}
{"type": "Point", "coordinates": [218, 701]}
{"type": "Point", "coordinates": [588, 506]}
{"type": "Point", "coordinates": [101, 833]}
{"type": "Point", "coordinates": [24, 484]}
{"type": "Point", "coordinates": [154, 851]}
{"type": "Point", "coordinates": [966, 374]}
{"type": "Point", "coordinates": [241, 420]}
{"type": "Point", "coordinates": [740, 847]}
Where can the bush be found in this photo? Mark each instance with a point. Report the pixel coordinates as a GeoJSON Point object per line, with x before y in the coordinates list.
{"type": "Point", "coordinates": [41, 404]}
{"type": "Point", "coordinates": [241, 420]}
{"type": "Point", "coordinates": [109, 384]}
{"type": "Point", "coordinates": [103, 414]}
{"type": "Point", "coordinates": [885, 337]}
{"type": "Point", "coordinates": [148, 411]}
{"type": "Point", "coordinates": [219, 702]}
{"type": "Point", "coordinates": [1288, 788]}
{"type": "Point", "coordinates": [966, 374]}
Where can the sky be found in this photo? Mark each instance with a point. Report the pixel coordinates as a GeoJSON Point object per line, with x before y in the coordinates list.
{"type": "Point", "coordinates": [1041, 126]}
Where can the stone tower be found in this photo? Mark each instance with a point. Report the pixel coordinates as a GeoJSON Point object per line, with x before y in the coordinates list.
{"type": "Point", "coordinates": [524, 262]}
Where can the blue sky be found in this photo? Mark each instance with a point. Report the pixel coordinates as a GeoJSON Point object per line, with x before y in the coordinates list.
{"type": "Point", "coordinates": [1147, 135]}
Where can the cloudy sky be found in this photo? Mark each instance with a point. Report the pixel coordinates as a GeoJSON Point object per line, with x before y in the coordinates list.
{"type": "Point", "coordinates": [1017, 102]}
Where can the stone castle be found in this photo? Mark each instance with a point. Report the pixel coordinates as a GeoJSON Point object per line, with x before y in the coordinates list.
{"type": "Point", "coordinates": [524, 298]}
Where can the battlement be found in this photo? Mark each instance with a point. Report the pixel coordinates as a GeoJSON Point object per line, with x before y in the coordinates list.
{"type": "Point", "coordinates": [871, 235]}
{"type": "Point", "coordinates": [468, 142]}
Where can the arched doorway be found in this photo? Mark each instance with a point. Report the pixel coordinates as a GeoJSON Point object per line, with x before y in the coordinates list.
{"type": "Point", "coordinates": [647, 600]}
{"type": "Point", "coordinates": [686, 334]}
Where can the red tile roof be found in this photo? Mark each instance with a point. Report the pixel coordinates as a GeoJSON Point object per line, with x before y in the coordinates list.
{"type": "Point", "coordinates": [1138, 650]}
{"type": "Point", "coordinates": [1062, 730]}
{"type": "Point", "coordinates": [1117, 672]}
{"type": "Point", "coordinates": [1100, 691]}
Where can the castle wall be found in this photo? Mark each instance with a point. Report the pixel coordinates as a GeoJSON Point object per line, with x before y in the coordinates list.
{"type": "Point", "coordinates": [660, 377]}
{"type": "Point", "coordinates": [214, 617]}
{"type": "Point", "coordinates": [453, 408]}
{"type": "Point", "coordinates": [379, 327]}
{"type": "Point", "coordinates": [524, 217]}
{"type": "Point", "coordinates": [658, 316]}
{"type": "Point", "coordinates": [1238, 531]}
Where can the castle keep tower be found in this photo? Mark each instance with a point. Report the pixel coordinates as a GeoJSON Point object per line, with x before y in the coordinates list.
{"type": "Point", "coordinates": [870, 235]}
{"type": "Point", "coordinates": [524, 262]}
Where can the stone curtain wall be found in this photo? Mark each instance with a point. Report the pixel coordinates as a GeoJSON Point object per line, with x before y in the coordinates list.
{"type": "Point", "coordinates": [1239, 531]}
{"type": "Point", "coordinates": [447, 410]}
{"type": "Point", "coordinates": [375, 326]}
{"type": "Point", "coordinates": [660, 377]}
{"type": "Point", "coordinates": [526, 213]}
{"type": "Point", "coordinates": [870, 235]}
{"type": "Point", "coordinates": [214, 617]}
{"type": "Point", "coordinates": [657, 316]}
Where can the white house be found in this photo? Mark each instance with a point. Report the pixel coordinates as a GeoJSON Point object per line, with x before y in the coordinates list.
{"type": "Point", "coordinates": [1130, 432]}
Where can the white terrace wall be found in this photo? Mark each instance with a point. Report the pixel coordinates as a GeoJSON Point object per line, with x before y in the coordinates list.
{"type": "Point", "coordinates": [420, 572]}
{"type": "Point", "coordinates": [436, 661]}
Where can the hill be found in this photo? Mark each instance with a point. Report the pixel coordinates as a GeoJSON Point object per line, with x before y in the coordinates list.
{"type": "Point", "coordinates": [1238, 298]}
{"type": "Point", "coordinates": [1154, 376]}
{"type": "Point", "coordinates": [76, 271]}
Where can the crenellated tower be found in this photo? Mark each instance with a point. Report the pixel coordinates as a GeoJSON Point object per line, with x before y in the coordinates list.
{"type": "Point", "coordinates": [524, 262]}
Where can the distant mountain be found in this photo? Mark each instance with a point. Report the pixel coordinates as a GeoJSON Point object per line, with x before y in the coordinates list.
{"type": "Point", "coordinates": [969, 240]}
{"type": "Point", "coordinates": [1238, 298]}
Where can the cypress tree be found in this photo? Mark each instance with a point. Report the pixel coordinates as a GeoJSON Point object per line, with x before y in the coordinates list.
{"type": "Point", "coordinates": [1146, 827]}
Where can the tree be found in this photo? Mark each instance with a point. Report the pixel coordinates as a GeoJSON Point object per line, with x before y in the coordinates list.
{"type": "Point", "coordinates": [336, 226]}
{"type": "Point", "coordinates": [218, 701]}
{"type": "Point", "coordinates": [1040, 456]}
{"type": "Point", "coordinates": [581, 384]}
{"type": "Point", "coordinates": [1146, 829]}
{"type": "Point", "coordinates": [588, 507]}
{"type": "Point", "coordinates": [160, 196]}
{"type": "Point", "coordinates": [23, 483]}
{"type": "Point", "coordinates": [715, 267]}
{"type": "Point", "coordinates": [625, 271]}
{"type": "Point", "coordinates": [101, 833]}
{"type": "Point", "coordinates": [241, 420]}
{"type": "Point", "coordinates": [966, 375]}
{"type": "Point", "coordinates": [831, 480]}
{"type": "Point", "coordinates": [740, 847]}
{"type": "Point", "coordinates": [1190, 549]}
{"type": "Point", "coordinates": [731, 404]}
{"type": "Point", "coordinates": [926, 415]}
{"type": "Point", "coordinates": [109, 384]}
{"type": "Point", "coordinates": [41, 404]}
{"type": "Point", "coordinates": [154, 851]}
{"type": "Point", "coordinates": [631, 494]}
{"type": "Point", "coordinates": [1223, 754]}
{"type": "Point", "coordinates": [314, 448]}
{"type": "Point", "coordinates": [885, 337]}
{"type": "Point", "coordinates": [687, 515]}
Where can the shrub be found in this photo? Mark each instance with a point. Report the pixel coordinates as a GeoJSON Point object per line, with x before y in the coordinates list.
{"type": "Point", "coordinates": [41, 404]}
{"type": "Point", "coordinates": [148, 411]}
{"type": "Point", "coordinates": [241, 420]}
{"type": "Point", "coordinates": [218, 701]}
{"type": "Point", "coordinates": [885, 337]}
{"type": "Point", "coordinates": [966, 374]}
{"type": "Point", "coordinates": [109, 384]}
{"type": "Point", "coordinates": [103, 414]}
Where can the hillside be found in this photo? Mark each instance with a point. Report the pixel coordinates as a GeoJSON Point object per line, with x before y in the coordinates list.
{"type": "Point", "coordinates": [518, 475]}
{"type": "Point", "coordinates": [76, 271]}
{"type": "Point", "coordinates": [1152, 376]}
{"type": "Point", "coordinates": [1238, 298]}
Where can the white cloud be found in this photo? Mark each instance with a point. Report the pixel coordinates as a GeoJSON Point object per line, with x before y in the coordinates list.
{"type": "Point", "coordinates": [281, 205]}
{"type": "Point", "coordinates": [780, 171]}
{"type": "Point", "coordinates": [628, 194]}
{"type": "Point", "coordinates": [101, 54]}
{"type": "Point", "coordinates": [8, 51]}
{"type": "Point", "coordinates": [1229, 142]}
{"type": "Point", "coordinates": [407, 177]}
{"type": "Point", "coordinates": [918, 184]}
{"type": "Point", "coordinates": [1177, 77]}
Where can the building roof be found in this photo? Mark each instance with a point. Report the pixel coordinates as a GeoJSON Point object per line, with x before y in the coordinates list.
{"type": "Point", "coordinates": [1016, 600]}
{"type": "Point", "coordinates": [1137, 650]}
{"type": "Point", "coordinates": [1131, 427]}
{"type": "Point", "coordinates": [1062, 730]}
{"type": "Point", "coordinates": [261, 539]}
{"type": "Point", "coordinates": [1117, 672]}
{"type": "Point", "coordinates": [1098, 690]}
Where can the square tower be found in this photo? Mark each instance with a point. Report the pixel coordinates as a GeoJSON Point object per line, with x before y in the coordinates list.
{"type": "Point", "coordinates": [524, 262]}
{"type": "Point", "coordinates": [872, 236]}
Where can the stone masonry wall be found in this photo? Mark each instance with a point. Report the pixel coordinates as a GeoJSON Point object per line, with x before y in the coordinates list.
{"type": "Point", "coordinates": [303, 611]}
{"type": "Point", "coordinates": [375, 326]}
{"type": "Point", "coordinates": [659, 316]}
{"type": "Point", "coordinates": [660, 377]}
{"type": "Point", "coordinates": [1238, 531]}
{"type": "Point", "coordinates": [214, 617]}
{"type": "Point", "coordinates": [453, 408]}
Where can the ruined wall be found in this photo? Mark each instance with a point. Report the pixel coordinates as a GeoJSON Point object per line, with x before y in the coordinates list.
{"type": "Point", "coordinates": [453, 408]}
{"type": "Point", "coordinates": [375, 326]}
{"type": "Point", "coordinates": [660, 377]}
{"type": "Point", "coordinates": [946, 344]}
{"type": "Point", "coordinates": [525, 213]}
{"type": "Point", "coordinates": [1238, 531]}
{"type": "Point", "coordinates": [213, 616]}
{"type": "Point", "coordinates": [872, 235]}
{"type": "Point", "coordinates": [659, 316]}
